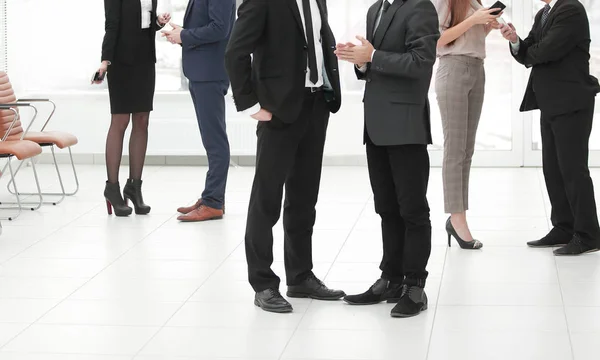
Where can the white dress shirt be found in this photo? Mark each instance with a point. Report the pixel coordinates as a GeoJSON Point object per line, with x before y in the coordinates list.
{"type": "Point", "coordinates": [377, 22]}
{"type": "Point", "coordinates": [146, 13]}
{"type": "Point", "coordinates": [516, 46]}
{"type": "Point", "coordinates": [317, 23]}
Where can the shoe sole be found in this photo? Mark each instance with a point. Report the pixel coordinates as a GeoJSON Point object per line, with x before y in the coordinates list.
{"type": "Point", "coordinates": [583, 253]}
{"type": "Point", "coordinates": [314, 297]}
{"type": "Point", "coordinates": [215, 218]}
{"type": "Point", "coordinates": [389, 301]}
{"type": "Point", "coordinates": [545, 246]}
{"type": "Point", "coordinates": [277, 311]}
{"type": "Point", "coordinates": [404, 316]}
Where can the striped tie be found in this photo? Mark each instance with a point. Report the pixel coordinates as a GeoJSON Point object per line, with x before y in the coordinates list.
{"type": "Point", "coordinates": [545, 14]}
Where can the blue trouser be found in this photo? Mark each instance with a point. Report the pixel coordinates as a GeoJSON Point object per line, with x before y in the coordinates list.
{"type": "Point", "coordinates": [209, 102]}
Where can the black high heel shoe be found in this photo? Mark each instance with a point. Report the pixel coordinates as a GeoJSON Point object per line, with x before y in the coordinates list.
{"type": "Point", "coordinates": [133, 191]}
{"type": "Point", "coordinates": [468, 245]}
{"type": "Point", "coordinates": [114, 200]}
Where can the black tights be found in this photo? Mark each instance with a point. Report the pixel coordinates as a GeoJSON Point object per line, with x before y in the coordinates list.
{"type": "Point", "coordinates": [138, 143]}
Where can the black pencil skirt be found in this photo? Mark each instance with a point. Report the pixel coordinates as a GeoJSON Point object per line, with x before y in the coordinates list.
{"type": "Point", "coordinates": [131, 87]}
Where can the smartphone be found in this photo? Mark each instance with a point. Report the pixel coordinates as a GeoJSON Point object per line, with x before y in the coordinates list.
{"type": "Point", "coordinates": [498, 5]}
{"type": "Point", "coordinates": [98, 77]}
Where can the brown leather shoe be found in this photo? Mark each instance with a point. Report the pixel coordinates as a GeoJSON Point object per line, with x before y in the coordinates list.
{"type": "Point", "coordinates": [189, 209]}
{"type": "Point", "coordinates": [203, 213]}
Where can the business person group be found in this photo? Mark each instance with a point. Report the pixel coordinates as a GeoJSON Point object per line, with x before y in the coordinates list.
{"type": "Point", "coordinates": [281, 58]}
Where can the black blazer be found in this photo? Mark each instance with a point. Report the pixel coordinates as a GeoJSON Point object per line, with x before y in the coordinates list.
{"type": "Point", "coordinates": [398, 79]}
{"type": "Point", "coordinates": [272, 31]}
{"type": "Point", "coordinates": [559, 54]}
{"type": "Point", "coordinates": [123, 28]}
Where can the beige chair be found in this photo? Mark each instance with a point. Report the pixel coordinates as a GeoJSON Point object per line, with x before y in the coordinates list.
{"type": "Point", "coordinates": [23, 150]}
{"type": "Point", "coordinates": [44, 138]}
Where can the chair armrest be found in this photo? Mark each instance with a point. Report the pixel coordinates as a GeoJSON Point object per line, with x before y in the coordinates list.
{"type": "Point", "coordinates": [33, 100]}
{"type": "Point", "coordinates": [30, 100]}
{"type": "Point", "coordinates": [12, 124]}
{"type": "Point", "coordinates": [11, 105]}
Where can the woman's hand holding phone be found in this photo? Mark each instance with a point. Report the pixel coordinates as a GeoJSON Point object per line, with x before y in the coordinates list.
{"type": "Point", "coordinates": [99, 75]}
{"type": "Point", "coordinates": [484, 16]}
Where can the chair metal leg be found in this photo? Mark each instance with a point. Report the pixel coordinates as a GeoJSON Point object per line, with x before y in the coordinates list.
{"type": "Point", "coordinates": [19, 207]}
{"type": "Point", "coordinates": [21, 204]}
{"type": "Point", "coordinates": [15, 174]}
{"type": "Point", "coordinates": [62, 186]}
{"type": "Point", "coordinates": [74, 174]}
{"type": "Point", "coordinates": [61, 194]}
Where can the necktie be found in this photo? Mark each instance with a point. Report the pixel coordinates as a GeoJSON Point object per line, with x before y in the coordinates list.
{"type": "Point", "coordinates": [386, 6]}
{"type": "Point", "coordinates": [545, 14]}
{"type": "Point", "coordinates": [310, 38]}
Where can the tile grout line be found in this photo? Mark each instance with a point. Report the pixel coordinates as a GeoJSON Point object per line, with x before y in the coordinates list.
{"type": "Point", "coordinates": [47, 236]}
{"type": "Point", "coordinates": [185, 302]}
{"type": "Point", "coordinates": [562, 297]}
{"type": "Point", "coordinates": [437, 302]}
{"type": "Point", "coordinates": [82, 285]}
{"type": "Point", "coordinates": [327, 274]}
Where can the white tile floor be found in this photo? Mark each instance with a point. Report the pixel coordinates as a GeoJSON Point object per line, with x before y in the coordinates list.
{"type": "Point", "coordinates": [76, 284]}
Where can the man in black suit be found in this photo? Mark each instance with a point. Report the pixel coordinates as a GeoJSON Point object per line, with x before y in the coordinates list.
{"type": "Point", "coordinates": [396, 61]}
{"type": "Point", "coordinates": [290, 87]}
{"type": "Point", "coordinates": [560, 85]}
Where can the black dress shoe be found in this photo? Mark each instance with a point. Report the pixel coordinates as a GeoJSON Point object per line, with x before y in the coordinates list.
{"type": "Point", "coordinates": [555, 238]}
{"type": "Point", "coordinates": [271, 300]}
{"type": "Point", "coordinates": [315, 289]}
{"type": "Point", "coordinates": [412, 302]}
{"type": "Point", "coordinates": [576, 247]}
{"type": "Point", "coordinates": [382, 290]}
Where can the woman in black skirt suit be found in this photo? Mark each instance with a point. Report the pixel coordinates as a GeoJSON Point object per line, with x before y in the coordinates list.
{"type": "Point", "coordinates": [128, 59]}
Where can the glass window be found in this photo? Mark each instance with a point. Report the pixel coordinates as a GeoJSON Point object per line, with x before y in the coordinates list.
{"type": "Point", "coordinates": [65, 57]}
{"type": "Point", "coordinates": [3, 44]}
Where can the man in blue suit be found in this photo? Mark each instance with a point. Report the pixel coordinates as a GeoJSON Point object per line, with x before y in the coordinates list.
{"type": "Point", "coordinates": [204, 36]}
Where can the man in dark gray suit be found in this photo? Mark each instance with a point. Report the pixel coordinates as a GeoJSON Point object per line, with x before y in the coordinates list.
{"type": "Point", "coordinates": [396, 61]}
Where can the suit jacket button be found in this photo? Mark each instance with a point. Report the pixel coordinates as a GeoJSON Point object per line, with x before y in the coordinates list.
{"type": "Point", "coordinates": [369, 80]}
{"type": "Point", "coordinates": [306, 71]}
{"type": "Point", "coordinates": [305, 47]}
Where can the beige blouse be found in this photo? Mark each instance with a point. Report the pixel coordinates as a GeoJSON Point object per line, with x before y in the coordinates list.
{"type": "Point", "coordinates": [471, 43]}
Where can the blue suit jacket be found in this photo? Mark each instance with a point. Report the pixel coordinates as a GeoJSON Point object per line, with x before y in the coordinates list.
{"type": "Point", "coordinates": [208, 25]}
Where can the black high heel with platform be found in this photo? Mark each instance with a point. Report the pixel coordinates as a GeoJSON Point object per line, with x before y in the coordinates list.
{"type": "Point", "coordinates": [467, 245]}
{"type": "Point", "coordinates": [114, 200]}
{"type": "Point", "coordinates": [133, 193]}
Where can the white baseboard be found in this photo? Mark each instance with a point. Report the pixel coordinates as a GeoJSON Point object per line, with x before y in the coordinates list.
{"type": "Point", "coordinates": [193, 160]}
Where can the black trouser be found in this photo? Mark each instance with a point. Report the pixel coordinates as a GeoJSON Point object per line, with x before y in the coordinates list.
{"type": "Point", "coordinates": [399, 178]}
{"type": "Point", "coordinates": [565, 150]}
{"type": "Point", "coordinates": [290, 155]}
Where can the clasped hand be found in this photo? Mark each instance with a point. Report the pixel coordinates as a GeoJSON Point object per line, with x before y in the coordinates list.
{"type": "Point", "coordinates": [173, 36]}
{"type": "Point", "coordinates": [359, 55]}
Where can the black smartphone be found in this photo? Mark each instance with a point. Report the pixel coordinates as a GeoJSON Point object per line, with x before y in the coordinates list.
{"type": "Point", "coordinates": [98, 77]}
{"type": "Point", "coordinates": [498, 5]}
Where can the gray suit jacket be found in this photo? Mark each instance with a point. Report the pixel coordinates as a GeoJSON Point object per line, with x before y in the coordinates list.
{"type": "Point", "coordinates": [398, 79]}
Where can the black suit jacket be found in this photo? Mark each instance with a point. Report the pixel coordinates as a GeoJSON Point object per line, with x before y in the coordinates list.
{"type": "Point", "coordinates": [559, 54]}
{"type": "Point", "coordinates": [123, 26]}
{"type": "Point", "coordinates": [398, 79]}
{"type": "Point", "coordinates": [272, 32]}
